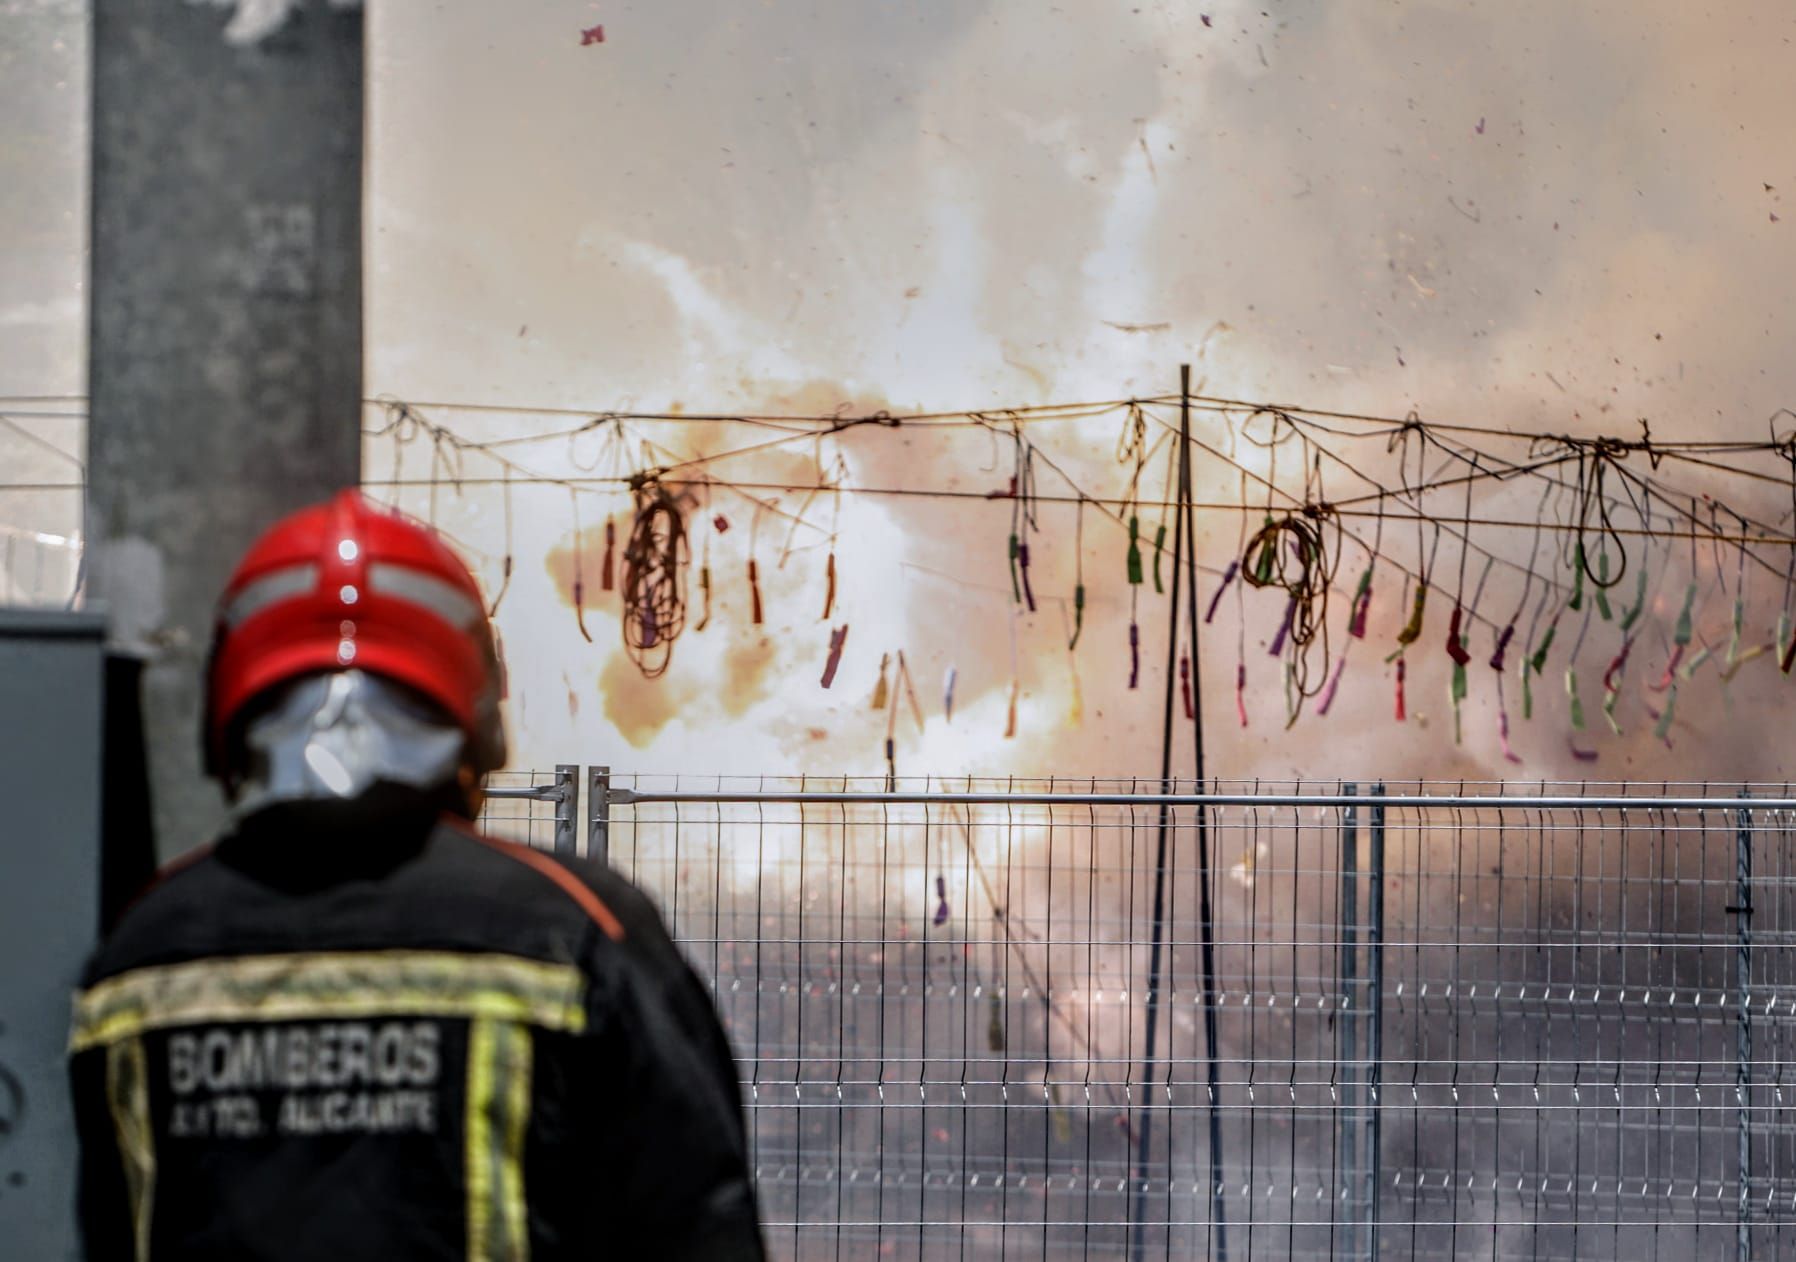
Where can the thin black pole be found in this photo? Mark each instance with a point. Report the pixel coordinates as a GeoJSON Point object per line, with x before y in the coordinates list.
{"type": "Point", "coordinates": [1375, 1039]}
{"type": "Point", "coordinates": [1149, 1066]}
{"type": "Point", "coordinates": [1347, 1053]}
{"type": "Point", "coordinates": [1742, 914]}
{"type": "Point", "coordinates": [1207, 922]}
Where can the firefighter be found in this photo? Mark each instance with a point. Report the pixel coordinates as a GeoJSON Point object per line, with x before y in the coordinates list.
{"type": "Point", "coordinates": [354, 1027]}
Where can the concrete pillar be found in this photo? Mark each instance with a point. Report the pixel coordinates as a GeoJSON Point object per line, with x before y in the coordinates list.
{"type": "Point", "coordinates": [225, 349]}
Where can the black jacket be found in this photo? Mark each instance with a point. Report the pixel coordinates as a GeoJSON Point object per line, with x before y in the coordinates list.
{"type": "Point", "coordinates": [402, 1041]}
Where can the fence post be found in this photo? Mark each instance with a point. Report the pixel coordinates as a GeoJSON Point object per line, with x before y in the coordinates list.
{"type": "Point", "coordinates": [598, 814]}
{"type": "Point", "coordinates": [1347, 1050]}
{"type": "Point", "coordinates": [1375, 1019]}
{"type": "Point", "coordinates": [1742, 914]}
{"type": "Point", "coordinates": [567, 806]}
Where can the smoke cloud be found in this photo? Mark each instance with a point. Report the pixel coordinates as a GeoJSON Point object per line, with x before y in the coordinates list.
{"type": "Point", "coordinates": [1568, 219]}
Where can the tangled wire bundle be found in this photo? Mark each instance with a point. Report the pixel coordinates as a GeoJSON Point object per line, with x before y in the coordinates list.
{"type": "Point", "coordinates": [1290, 553]}
{"type": "Point", "coordinates": [654, 587]}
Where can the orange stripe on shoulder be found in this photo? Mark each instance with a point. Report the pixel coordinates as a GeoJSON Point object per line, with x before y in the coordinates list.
{"type": "Point", "coordinates": [571, 885]}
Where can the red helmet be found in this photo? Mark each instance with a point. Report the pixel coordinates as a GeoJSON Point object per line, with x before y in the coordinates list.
{"type": "Point", "coordinates": [348, 584]}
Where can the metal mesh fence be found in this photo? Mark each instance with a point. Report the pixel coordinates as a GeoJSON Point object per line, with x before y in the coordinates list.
{"type": "Point", "coordinates": [537, 808]}
{"type": "Point", "coordinates": [1481, 1021]}
{"type": "Point", "coordinates": [1551, 1027]}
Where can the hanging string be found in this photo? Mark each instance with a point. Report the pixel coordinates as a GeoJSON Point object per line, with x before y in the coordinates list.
{"type": "Point", "coordinates": [1022, 520]}
{"type": "Point", "coordinates": [1358, 612]}
{"type": "Point", "coordinates": [1571, 675]}
{"type": "Point", "coordinates": [1599, 582]}
{"type": "Point", "coordinates": [901, 686]}
{"type": "Point", "coordinates": [445, 445]}
{"type": "Point", "coordinates": [835, 527]}
{"type": "Point", "coordinates": [1160, 531]}
{"type": "Point", "coordinates": [754, 569]}
{"type": "Point", "coordinates": [1277, 647]}
{"type": "Point", "coordinates": [654, 596]}
{"type": "Point", "coordinates": [1078, 575]}
{"type": "Point", "coordinates": [910, 690]}
{"type": "Point", "coordinates": [1681, 638]}
{"type": "Point", "coordinates": [1290, 553]}
{"type": "Point", "coordinates": [1412, 630]}
{"type": "Point", "coordinates": [1456, 643]}
{"type": "Point", "coordinates": [1413, 492]}
{"type": "Point", "coordinates": [1362, 595]}
{"type": "Point", "coordinates": [505, 569]}
{"type": "Point", "coordinates": [704, 585]}
{"type": "Point", "coordinates": [579, 571]}
{"type": "Point", "coordinates": [1333, 685]}
{"type": "Point", "coordinates": [891, 735]}
{"type": "Point", "coordinates": [1075, 712]}
{"type": "Point", "coordinates": [1535, 665]}
{"type": "Point", "coordinates": [838, 638]}
{"type": "Point", "coordinates": [1499, 656]}
{"type": "Point", "coordinates": [1616, 670]}
{"type": "Point", "coordinates": [1501, 646]}
{"type": "Point", "coordinates": [1595, 458]}
{"type": "Point", "coordinates": [1228, 576]}
{"type": "Point", "coordinates": [1460, 686]}
{"type": "Point", "coordinates": [402, 424]}
{"type": "Point", "coordinates": [1735, 659]}
{"type": "Point", "coordinates": [1612, 677]}
{"type": "Point", "coordinates": [606, 580]}
{"type": "Point", "coordinates": [1234, 565]}
{"type": "Point", "coordinates": [1600, 589]}
{"type": "Point", "coordinates": [1695, 662]}
{"type": "Point", "coordinates": [1132, 446]}
{"type": "Point", "coordinates": [1535, 656]}
{"type": "Point", "coordinates": [881, 694]}
{"type": "Point", "coordinates": [1682, 635]}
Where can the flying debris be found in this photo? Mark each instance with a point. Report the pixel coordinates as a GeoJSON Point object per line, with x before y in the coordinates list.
{"type": "Point", "coordinates": [1158, 327]}
{"type": "Point", "coordinates": [592, 35]}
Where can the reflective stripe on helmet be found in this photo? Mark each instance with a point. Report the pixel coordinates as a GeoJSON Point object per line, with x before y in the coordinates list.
{"type": "Point", "coordinates": [446, 601]}
{"type": "Point", "coordinates": [282, 584]}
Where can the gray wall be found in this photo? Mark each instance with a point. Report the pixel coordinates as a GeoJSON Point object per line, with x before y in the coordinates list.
{"type": "Point", "coordinates": [226, 325]}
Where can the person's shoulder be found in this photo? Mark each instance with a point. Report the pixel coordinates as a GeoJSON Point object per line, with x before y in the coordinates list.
{"type": "Point", "coordinates": [626, 915]}
{"type": "Point", "coordinates": [583, 886]}
{"type": "Point", "coordinates": [160, 917]}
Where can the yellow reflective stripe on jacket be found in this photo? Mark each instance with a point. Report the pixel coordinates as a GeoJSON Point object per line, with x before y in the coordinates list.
{"type": "Point", "coordinates": [128, 1096]}
{"type": "Point", "coordinates": [344, 984]}
{"type": "Point", "coordinates": [498, 1103]}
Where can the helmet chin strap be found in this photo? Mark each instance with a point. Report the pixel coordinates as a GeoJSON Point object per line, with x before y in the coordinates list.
{"type": "Point", "coordinates": [343, 736]}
